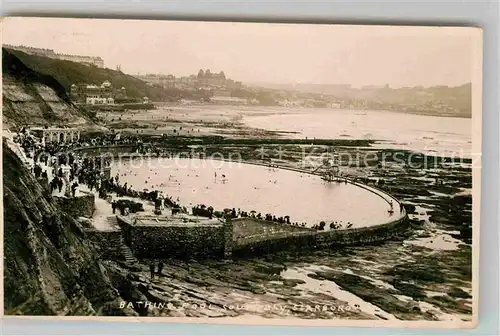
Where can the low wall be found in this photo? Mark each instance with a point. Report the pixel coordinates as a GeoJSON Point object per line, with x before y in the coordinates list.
{"type": "Point", "coordinates": [183, 242]}
{"type": "Point", "coordinates": [107, 243]}
{"type": "Point", "coordinates": [307, 240]}
{"type": "Point", "coordinates": [113, 150]}
{"type": "Point", "coordinates": [186, 241]}
{"type": "Point", "coordinates": [247, 226]}
{"type": "Point", "coordinates": [80, 206]}
{"type": "Point", "coordinates": [179, 241]}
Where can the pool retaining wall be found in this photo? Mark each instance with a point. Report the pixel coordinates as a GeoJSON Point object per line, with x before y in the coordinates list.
{"type": "Point", "coordinates": [224, 240]}
{"type": "Point", "coordinates": [179, 241]}
{"type": "Point", "coordinates": [311, 240]}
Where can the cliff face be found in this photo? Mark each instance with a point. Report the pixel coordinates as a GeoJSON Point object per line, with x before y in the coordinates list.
{"type": "Point", "coordinates": [50, 266]}
{"type": "Point", "coordinates": [67, 73]}
{"type": "Point", "coordinates": [30, 97]}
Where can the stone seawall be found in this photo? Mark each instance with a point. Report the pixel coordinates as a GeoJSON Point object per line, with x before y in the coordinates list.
{"type": "Point", "coordinates": [310, 240]}
{"type": "Point", "coordinates": [80, 206]}
{"type": "Point", "coordinates": [175, 241]}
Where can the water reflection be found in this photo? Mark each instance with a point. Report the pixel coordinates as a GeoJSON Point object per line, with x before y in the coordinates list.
{"type": "Point", "coordinates": [304, 197]}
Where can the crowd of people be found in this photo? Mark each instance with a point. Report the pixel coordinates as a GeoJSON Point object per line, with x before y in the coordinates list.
{"type": "Point", "coordinates": [203, 210]}
{"type": "Point", "coordinates": [155, 271]}
{"type": "Point", "coordinates": [70, 169]}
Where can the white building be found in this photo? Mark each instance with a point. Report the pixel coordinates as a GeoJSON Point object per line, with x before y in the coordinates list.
{"type": "Point", "coordinates": [106, 84]}
{"type": "Point", "coordinates": [54, 134]}
{"type": "Point", "coordinates": [98, 100]}
{"type": "Point", "coordinates": [228, 100]}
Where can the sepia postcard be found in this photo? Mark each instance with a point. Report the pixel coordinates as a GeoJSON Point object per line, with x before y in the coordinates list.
{"type": "Point", "coordinates": [241, 173]}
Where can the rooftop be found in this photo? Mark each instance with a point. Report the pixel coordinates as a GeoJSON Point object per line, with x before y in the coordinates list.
{"type": "Point", "coordinates": [39, 128]}
{"type": "Point", "coordinates": [175, 220]}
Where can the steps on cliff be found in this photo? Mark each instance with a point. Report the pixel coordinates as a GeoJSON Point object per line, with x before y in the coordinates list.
{"type": "Point", "coordinates": [127, 253]}
{"type": "Point", "coordinates": [119, 243]}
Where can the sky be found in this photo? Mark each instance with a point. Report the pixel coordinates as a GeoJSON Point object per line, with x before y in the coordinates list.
{"type": "Point", "coordinates": [261, 52]}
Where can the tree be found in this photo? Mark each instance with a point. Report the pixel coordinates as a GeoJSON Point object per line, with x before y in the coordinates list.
{"type": "Point", "coordinates": [200, 73]}
{"type": "Point", "coordinates": [222, 75]}
{"type": "Point", "coordinates": [208, 74]}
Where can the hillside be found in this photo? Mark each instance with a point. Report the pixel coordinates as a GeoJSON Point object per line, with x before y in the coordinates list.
{"type": "Point", "coordinates": [67, 73]}
{"type": "Point", "coordinates": [50, 268]}
{"type": "Point", "coordinates": [441, 100]}
{"type": "Point", "coordinates": [34, 98]}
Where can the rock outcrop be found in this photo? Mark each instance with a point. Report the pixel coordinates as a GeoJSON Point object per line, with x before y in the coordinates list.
{"type": "Point", "coordinates": [51, 268]}
{"type": "Point", "coordinates": [30, 97]}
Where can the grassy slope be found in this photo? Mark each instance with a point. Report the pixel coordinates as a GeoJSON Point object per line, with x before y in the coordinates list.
{"type": "Point", "coordinates": [15, 70]}
{"type": "Point", "coordinates": [67, 73]}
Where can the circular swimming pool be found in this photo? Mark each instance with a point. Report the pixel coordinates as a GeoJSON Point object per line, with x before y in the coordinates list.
{"type": "Point", "coordinates": [221, 184]}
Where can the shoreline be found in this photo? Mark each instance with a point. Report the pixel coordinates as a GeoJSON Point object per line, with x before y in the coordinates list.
{"type": "Point", "coordinates": [306, 108]}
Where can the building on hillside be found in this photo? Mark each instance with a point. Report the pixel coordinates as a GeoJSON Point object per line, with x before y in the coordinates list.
{"type": "Point", "coordinates": [87, 60]}
{"type": "Point", "coordinates": [224, 97]}
{"type": "Point", "coordinates": [106, 85]}
{"type": "Point", "coordinates": [121, 93]}
{"type": "Point", "coordinates": [98, 100]}
{"type": "Point", "coordinates": [165, 81]}
{"type": "Point", "coordinates": [91, 94]}
{"type": "Point", "coordinates": [225, 100]}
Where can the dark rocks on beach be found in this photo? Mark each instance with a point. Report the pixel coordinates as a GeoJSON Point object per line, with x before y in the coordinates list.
{"type": "Point", "coordinates": [408, 289]}
{"type": "Point", "coordinates": [316, 276]}
{"type": "Point", "coordinates": [430, 272]}
{"type": "Point", "coordinates": [458, 293]}
{"type": "Point", "coordinates": [371, 293]}
{"type": "Point", "coordinates": [410, 208]}
{"type": "Point", "coordinates": [293, 282]}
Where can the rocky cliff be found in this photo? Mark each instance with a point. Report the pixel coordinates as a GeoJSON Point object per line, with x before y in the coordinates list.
{"type": "Point", "coordinates": [30, 97]}
{"type": "Point", "coordinates": [51, 268]}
